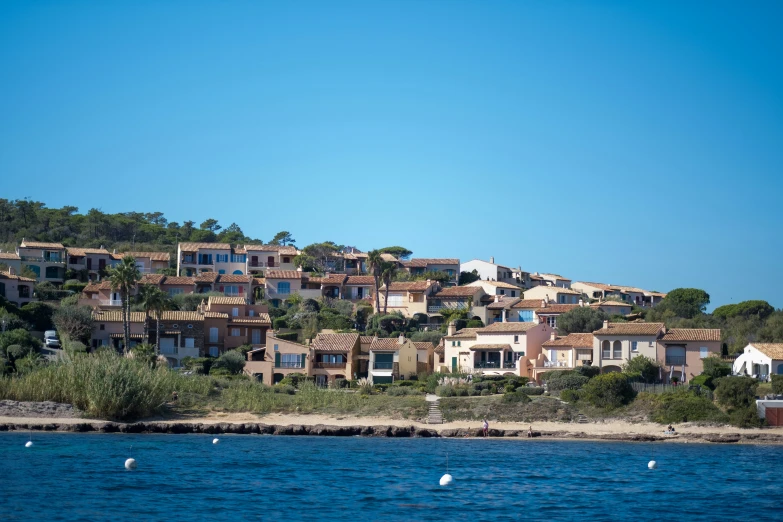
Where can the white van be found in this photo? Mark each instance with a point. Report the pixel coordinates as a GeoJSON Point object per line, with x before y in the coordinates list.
{"type": "Point", "coordinates": [50, 339]}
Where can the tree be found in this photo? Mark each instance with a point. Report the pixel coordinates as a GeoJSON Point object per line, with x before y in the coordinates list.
{"type": "Point", "coordinates": [715, 368]}
{"type": "Point", "coordinates": [583, 319]}
{"type": "Point", "coordinates": [686, 302]}
{"type": "Point", "coordinates": [388, 271]}
{"type": "Point", "coordinates": [736, 392]}
{"type": "Point", "coordinates": [150, 297]}
{"type": "Point", "coordinates": [468, 277]}
{"type": "Point", "coordinates": [160, 303]}
{"type": "Point", "coordinates": [123, 279]}
{"type": "Point", "coordinates": [74, 323]}
{"type": "Point", "coordinates": [233, 362]}
{"type": "Point", "coordinates": [39, 315]}
{"type": "Point", "coordinates": [283, 238]}
{"type": "Point", "coordinates": [610, 390]}
{"type": "Point", "coordinates": [22, 341]}
{"type": "Point", "coordinates": [397, 251]}
{"type": "Point", "coordinates": [211, 225]}
{"type": "Point", "coordinates": [646, 368]}
{"type": "Point", "coordinates": [760, 309]}
{"type": "Point", "coordinates": [375, 267]}
{"type": "Point", "coordinates": [317, 256]}
{"type": "Point", "coordinates": [231, 234]}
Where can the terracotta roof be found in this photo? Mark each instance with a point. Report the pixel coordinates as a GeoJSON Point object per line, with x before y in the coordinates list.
{"type": "Point", "coordinates": [259, 281]}
{"type": "Point", "coordinates": [154, 256]}
{"type": "Point", "coordinates": [15, 277]}
{"type": "Point", "coordinates": [424, 262]}
{"type": "Point", "coordinates": [225, 300]}
{"type": "Point", "coordinates": [771, 350]}
{"type": "Point", "coordinates": [206, 277]}
{"type": "Point", "coordinates": [366, 339]}
{"type": "Point", "coordinates": [80, 252]}
{"type": "Point", "coordinates": [600, 286]}
{"type": "Point", "coordinates": [356, 255]}
{"type": "Point", "coordinates": [490, 347]}
{"type": "Point", "coordinates": [215, 315]}
{"type": "Point", "coordinates": [409, 286]}
{"type": "Point", "coordinates": [504, 303]}
{"type": "Point", "coordinates": [458, 291]}
{"type": "Point", "coordinates": [335, 342]}
{"type": "Point", "coordinates": [9, 255]}
{"type": "Point", "coordinates": [496, 284]}
{"type": "Point", "coordinates": [692, 334]}
{"type": "Point", "coordinates": [555, 308]}
{"type": "Point", "coordinates": [527, 303]}
{"type": "Point", "coordinates": [385, 343]}
{"type": "Point", "coordinates": [40, 244]}
{"type": "Point", "coordinates": [151, 279]}
{"type": "Point", "coordinates": [554, 276]}
{"type": "Point", "coordinates": [536, 277]}
{"type": "Point", "coordinates": [194, 247]}
{"type": "Point", "coordinates": [574, 340]}
{"type": "Point", "coordinates": [180, 315]}
{"type": "Point", "coordinates": [465, 333]}
{"type": "Point", "coordinates": [360, 280]}
{"type": "Point", "coordinates": [271, 337]}
{"type": "Point", "coordinates": [284, 274]}
{"type": "Point", "coordinates": [174, 280]}
{"type": "Point", "coordinates": [115, 316]}
{"type": "Point", "coordinates": [610, 303]}
{"type": "Point", "coordinates": [507, 328]}
{"type": "Point", "coordinates": [388, 257]}
{"type": "Point", "coordinates": [423, 345]}
{"type": "Point", "coordinates": [333, 279]}
{"type": "Point", "coordinates": [260, 319]}
{"type": "Point", "coordinates": [94, 287]}
{"type": "Point", "coordinates": [284, 250]}
{"type": "Point", "coordinates": [640, 328]}
{"type": "Point", "coordinates": [233, 278]}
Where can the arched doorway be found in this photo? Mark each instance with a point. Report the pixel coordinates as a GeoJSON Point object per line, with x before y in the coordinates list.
{"type": "Point", "coordinates": [611, 369]}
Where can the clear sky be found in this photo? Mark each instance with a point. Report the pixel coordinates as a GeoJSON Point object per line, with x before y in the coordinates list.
{"type": "Point", "coordinates": [636, 143]}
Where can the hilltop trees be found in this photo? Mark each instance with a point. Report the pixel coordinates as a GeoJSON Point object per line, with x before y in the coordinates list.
{"type": "Point", "coordinates": [397, 251]}
{"type": "Point", "coordinates": [583, 319]}
{"type": "Point", "coordinates": [685, 302]}
{"type": "Point", "coordinates": [283, 238]}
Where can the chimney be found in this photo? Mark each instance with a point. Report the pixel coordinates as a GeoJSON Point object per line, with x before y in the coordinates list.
{"type": "Point", "coordinates": [543, 303]}
{"type": "Point", "coordinates": [401, 339]}
{"type": "Point", "coordinates": [581, 303]}
{"type": "Point", "coordinates": [497, 298]}
{"type": "Point", "coordinates": [606, 324]}
{"type": "Point", "coordinates": [492, 259]}
{"type": "Point", "coordinates": [114, 251]}
{"type": "Point", "coordinates": [553, 337]}
{"type": "Point", "coordinates": [452, 329]}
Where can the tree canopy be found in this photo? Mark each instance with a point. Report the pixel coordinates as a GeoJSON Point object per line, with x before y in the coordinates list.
{"type": "Point", "coordinates": [283, 238]}
{"type": "Point", "coordinates": [686, 302]}
{"type": "Point", "coordinates": [582, 319]}
{"type": "Point", "coordinates": [397, 251]}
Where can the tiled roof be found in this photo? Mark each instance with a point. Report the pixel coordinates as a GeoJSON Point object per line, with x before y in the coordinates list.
{"type": "Point", "coordinates": [507, 328]}
{"type": "Point", "coordinates": [270, 337]}
{"type": "Point", "coordinates": [388, 257]}
{"type": "Point", "coordinates": [153, 256]}
{"type": "Point", "coordinates": [555, 308]}
{"type": "Point", "coordinates": [609, 303]}
{"type": "Point", "coordinates": [574, 340]}
{"type": "Point", "coordinates": [259, 281]}
{"type": "Point", "coordinates": [409, 286]}
{"type": "Point", "coordinates": [180, 315]}
{"type": "Point", "coordinates": [9, 255]}
{"type": "Point", "coordinates": [115, 316]}
{"type": "Point", "coordinates": [554, 276]}
{"type": "Point", "coordinates": [215, 315]}
{"type": "Point", "coordinates": [385, 343]}
{"type": "Point", "coordinates": [174, 280]}
{"type": "Point", "coordinates": [80, 252]}
{"type": "Point", "coordinates": [260, 319]}
{"type": "Point", "coordinates": [206, 277]}
{"type": "Point", "coordinates": [284, 274]}
{"type": "Point", "coordinates": [15, 277]}
{"type": "Point", "coordinates": [284, 250]}
{"type": "Point", "coordinates": [771, 350]}
{"type": "Point", "coordinates": [423, 345]}
{"type": "Point", "coordinates": [559, 290]}
{"type": "Point", "coordinates": [640, 328]}
{"type": "Point", "coordinates": [465, 333]}
{"type": "Point", "coordinates": [151, 279]}
{"type": "Point", "coordinates": [527, 303]}
{"type": "Point", "coordinates": [194, 247]}
{"type": "Point", "coordinates": [233, 278]}
{"type": "Point", "coordinates": [458, 291]}
{"type": "Point", "coordinates": [692, 334]}
{"type": "Point", "coordinates": [94, 287]}
{"type": "Point", "coordinates": [506, 303]}
{"type": "Point", "coordinates": [356, 255]}
{"type": "Point", "coordinates": [366, 339]}
{"type": "Point", "coordinates": [599, 286]}
{"type": "Point", "coordinates": [335, 342]}
{"type": "Point", "coordinates": [490, 347]}
{"type": "Point", "coordinates": [225, 300]}
{"type": "Point", "coordinates": [39, 244]}
{"type": "Point", "coordinates": [360, 280]}
{"type": "Point", "coordinates": [424, 262]}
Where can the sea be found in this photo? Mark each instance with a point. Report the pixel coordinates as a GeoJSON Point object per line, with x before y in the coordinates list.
{"type": "Point", "coordinates": [66, 476]}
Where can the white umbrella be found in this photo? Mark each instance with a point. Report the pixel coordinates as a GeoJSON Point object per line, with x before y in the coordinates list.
{"type": "Point", "coordinates": [682, 378]}
{"type": "Point", "coordinates": [671, 374]}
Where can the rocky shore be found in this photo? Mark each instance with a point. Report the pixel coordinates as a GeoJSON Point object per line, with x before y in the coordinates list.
{"type": "Point", "coordinates": [251, 428]}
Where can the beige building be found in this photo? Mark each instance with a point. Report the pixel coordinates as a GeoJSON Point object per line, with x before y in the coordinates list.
{"type": "Point", "coordinates": [681, 351]}
{"type": "Point", "coordinates": [46, 260]}
{"type": "Point", "coordinates": [17, 289]}
{"type": "Point", "coordinates": [612, 307]}
{"type": "Point", "coordinates": [149, 262]}
{"type": "Point", "coordinates": [564, 353]}
{"type": "Point", "coordinates": [281, 284]}
{"type": "Point", "coordinates": [553, 294]}
{"type": "Point", "coordinates": [335, 357]}
{"type": "Point", "coordinates": [498, 288]}
{"type": "Point", "coordinates": [616, 343]}
{"type": "Point", "coordinates": [456, 298]}
{"type": "Point", "coordinates": [625, 294]}
{"type": "Point", "coordinates": [194, 258]}
{"type": "Point", "coordinates": [261, 258]}
{"type": "Point", "coordinates": [409, 297]}
{"type": "Point", "coordinates": [556, 280]}
{"type": "Point", "coordinates": [93, 262]}
{"type": "Point", "coordinates": [10, 260]}
{"type": "Point", "coordinates": [421, 266]}
{"type": "Point", "coordinates": [392, 359]}
{"type": "Point", "coordinates": [277, 359]}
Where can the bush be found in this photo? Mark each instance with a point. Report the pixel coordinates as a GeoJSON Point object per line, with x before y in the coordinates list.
{"type": "Point", "coordinates": [232, 361]}
{"type": "Point", "coordinates": [446, 391]}
{"type": "Point", "coordinates": [474, 323]}
{"type": "Point", "coordinates": [570, 395]}
{"type": "Point", "coordinates": [18, 337]}
{"type": "Point", "coordinates": [588, 371]}
{"type": "Point", "coordinates": [703, 380]}
{"type": "Point", "coordinates": [39, 315]}
{"type": "Point", "coordinates": [715, 367]}
{"type": "Point", "coordinates": [516, 397]}
{"type": "Point", "coordinates": [683, 406]}
{"type": "Point", "coordinates": [473, 392]}
{"type": "Point", "coordinates": [294, 379]}
{"type": "Point", "coordinates": [736, 392]}
{"type": "Point", "coordinates": [527, 390]}
{"type": "Point", "coordinates": [610, 390]}
{"type": "Point", "coordinates": [17, 351]}
{"type": "Point", "coordinates": [486, 393]}
{"type": "Point", "coordinates": [404, 383]}
{"type": "Point", "coordinates": [200, 365]}
{"type": "Point", "coordinates": [280, 322]}
{"type": "Point", "coordinates": [567, 381]}
{"type": "Point", "coordinates": [340, 383]}
{"type": "Point", "coordinates": [777, 384]}
{"type": "Point", "coordinates": [288, 336]}
{"type": "Point", "coordinates": [746, 418]}
{"type": "Point", "coordinates": [396, 391]}
{"type": "Point", "coordinates": [284, 388]}
{"type": "Point", "coordinates": [646, 368]}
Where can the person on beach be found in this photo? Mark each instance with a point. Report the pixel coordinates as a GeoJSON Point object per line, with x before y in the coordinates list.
{"type": "Point", "coordinates": [486, 428]}
{"type": "Point", "coordinates": [530, 432]}
{"type": "Point", "coordinates": [670, 429]}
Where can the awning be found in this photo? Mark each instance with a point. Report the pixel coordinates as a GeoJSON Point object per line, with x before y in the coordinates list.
{"type": "Point", "coordinates": [489, 347]}
{"type": "Point", "coordinates": [122, 336]}
{"type": "Point", "coordinates": [171, 332]}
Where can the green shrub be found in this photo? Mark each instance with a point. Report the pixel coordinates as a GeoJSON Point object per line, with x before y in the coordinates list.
{"type": "Point", "coordinates": [404, 383]}
{"type": "Point", "coordinates": [199, 365]}
{"type": "Point", "coordinates": [528, 390]}
{"type": "Point", "coordinates": [777, 384]}
{"type": "Point", "coordinates": [279, 323]}
{"type": "Point", "coordinates": [683, 406]}
{"type": "Point", "coordinates": [715, 367]}
{"type": "Point", "coordinates": [516, 397]}
{"type": "Point", "coordinates": [486, 393]}
{"type": "Point", "coordinates": [396, 391]}
{"type": "Point", "coordinates": [287, 336]}
{"type": "Point", "coordinates": [570, 395]}
{"type": "Point", "coordinates": [232, 362]}
{"type": "Point", "coordinates": [473, 392]}
{"type": "Point", "coordinates": [610, 390]}
{"type": "Point", "coordinates": [294, 379]}
{"type": "Point", "coordinates": [588, 371]}
{"type": "Point", "coordinates": [736, 392]}
{"type": "Point", "coordinates": [703, 380]}
{"type": "Point", "coordinates": [446, 391]}
{"type": "Point", "coordinates": [474, 323]}
{"type": "Point", "coordinates": [283, 388]}
{"type": "Point", "coordinates": [341, 383]}
{"type": "Point", "coordinates": [746, 418]}
{"type": "Point", "coordinates": [569, 381]}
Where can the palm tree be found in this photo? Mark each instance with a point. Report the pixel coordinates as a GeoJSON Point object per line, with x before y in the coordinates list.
{"type": "Point", "coordinates": [150, 297]}
{"type": "Point", "coordinates": [123, 278]}
{"type": "Point", "coordinates": [161, 303]}
{"type": "Point", "coordinates": [388, 271]}
{"type": "Point", "coordinates": [374, 265]}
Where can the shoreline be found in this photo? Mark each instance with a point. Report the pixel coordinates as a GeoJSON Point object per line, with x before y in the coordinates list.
{"type": "Point", "coordinates": [343, 426]}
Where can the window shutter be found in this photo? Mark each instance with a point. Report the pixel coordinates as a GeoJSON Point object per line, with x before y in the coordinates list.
{"type": "Point", "coordinates": [241, 289]}
{"type": "Point", "coordinates": [304, 357]}
{"type": "Point", "coordinates": [221, 288]}
{"type": "Point", "coordinates": [277, 359]}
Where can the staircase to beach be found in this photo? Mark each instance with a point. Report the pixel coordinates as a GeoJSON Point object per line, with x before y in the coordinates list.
{"type": "Point", "coordinates": [435, 416]}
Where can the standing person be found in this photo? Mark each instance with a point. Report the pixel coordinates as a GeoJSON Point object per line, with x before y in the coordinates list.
{"type": "Point", "coordinates": [486, 428]}
{"type": "Point", "coordinates": [530, 432]}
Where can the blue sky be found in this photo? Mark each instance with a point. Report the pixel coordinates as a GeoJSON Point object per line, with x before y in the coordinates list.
{"type": "Point", "coordinates": [636, 143]}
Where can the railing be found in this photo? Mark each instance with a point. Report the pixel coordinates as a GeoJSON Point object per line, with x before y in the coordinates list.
{"type": "Point", "coordinates": [111, 302]}
{"type": "Point", "coordinates": [436, 308]}
{"type": "Point", "coordinates": [284, 364]}
{"type": "Point", "coordinates": [261, 264]}
{"type": "Point", "coordinates": [675, 360]}
{"type": "Point", "coordinates": [494, 364]}
{"type": "Point", "coordinates": [38, 259]}
{"type": "Point", "coordinates": [383, 366]}
{"type": "Point", "coordinates": [606, 355]}
{"type": "Point", "coordinates": [168, 350]}
{"type": "Point", "coordinates": [556, 364]}
{"type": "Point", "coordinates": [319, 364]}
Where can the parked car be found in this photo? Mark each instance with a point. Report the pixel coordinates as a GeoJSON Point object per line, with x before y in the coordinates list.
{"type": "Point", "coordinates": [50, 339]}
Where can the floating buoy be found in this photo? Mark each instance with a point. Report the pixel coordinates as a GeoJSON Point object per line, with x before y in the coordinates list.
{"type": "Point", "coordinates": [652, 464]}
{"type": "Point", "coordinates": [446, 479]}
{"type": "Point", "coordinates": [29, 444]}
{"type": "Point", "coordinates": [130, 464]}
{"type": "Point", "coordinates": [215, 440]}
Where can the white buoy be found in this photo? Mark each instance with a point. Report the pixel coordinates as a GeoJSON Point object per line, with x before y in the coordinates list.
{"type": "Point", "coordinates": [29, 444]}
{"type": "Point", "coordinates": [652, 464]}
{"type": "Point", "coordinates": [215, 440]}
{"type": "Point", "coordinates": [446, 479]}
{"type": "Point", "coordinates": [130, 464]}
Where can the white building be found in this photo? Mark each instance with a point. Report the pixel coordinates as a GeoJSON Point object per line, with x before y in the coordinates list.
{"type": "Point", "coordinates": [489, 271]}
{"type": "Point", "coordinates": [760, 360]}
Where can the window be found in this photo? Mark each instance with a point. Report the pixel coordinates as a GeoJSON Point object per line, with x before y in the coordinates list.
{"type": "Point", "coordinates": [213, 351]}
{"type": "Point", "coordinates": [251, 313]}
{"type": "Point", "coordinates": [238, 258]}
{"type": "Point", "coordinates": [526, 316]}
{"type": "Point", "coordinates": [606, 350]}
{"type": "Point", "coordinates": [283, 287]}
{"type": "Point", "coordinates": [516, 339]}
{"type": "Point", "coordinates": [221, 258]}
{"type": "Point", "coordinates": [561, 298]}
{"type": "Point", "coordinates": [237, 272]}
{"type": "Point", "coordinates": [513, 293]}
{"type": "Point", "coordinates": [256, 337]}
{"type": "Point", "coordinates": [235, 312]}
{"type": "Point", "coordinates": [103, 327]}
{"type": "Point", "coordinates": [52, 272]}
{"type": "Point", "coordinates": [453, 343]}
{"type": "Point", "coordinates": [190, 342]}
{"type": "Point", "coordinates": [634, 346]}
{"type": "Point", "coordinates": [235, 332]}
{"type": "Point", "coordinates": [213, 335]}
{"type": "Point", "coordinates": [617, 350]}
{"type": "Point", "coordinates": [290, 360]}
{"type": "Point", "coordinates": [395, 300]}
{"type": "Point", "coordinates": [276, 347]}
{"type": "Point", "coordinates": [174, 291]}
{"type": "Point", "coordinates": [286, 260]}
{"type": "Point", "coordinates": [502, 292]}
{"type": "Point", "coordinates": [459, 343]}
{"type": "Point", "coordinates": [552, 321]}
{"type": "Point", "coordinates": [704, 352]}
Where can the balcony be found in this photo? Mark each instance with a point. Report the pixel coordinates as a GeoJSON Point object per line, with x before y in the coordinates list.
{"type": "Point", "coordinates": [675, 360]}
{"type": "Point", "coordinates": [383, 366]}
{"type": "Point", "coordinates": [38, 259]}
{"type": "Point", "coordinates": [454, 306]}
{"type": "Point", "coordinates": [329, 365]}
{"type": "Point", "coordinates": [489, 365]}
{"type": "Point", "coordinates": [262, 264]}
{"type": "Point", "coordinates": [556, 364]}
{"type": "Point", "coordinates": [110, 302]}
{"type": "Point", "coordinates": [289, 365]}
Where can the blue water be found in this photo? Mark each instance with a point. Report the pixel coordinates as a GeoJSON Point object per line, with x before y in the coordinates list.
{"type": "Point", "coordinates": [81, 477]}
